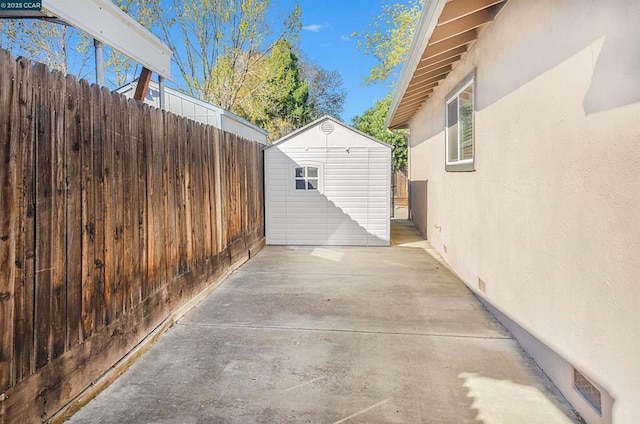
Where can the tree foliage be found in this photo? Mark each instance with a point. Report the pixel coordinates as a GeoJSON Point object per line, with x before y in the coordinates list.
{"type": "Point", "coordinates": [68, 49]}
{"type": "Point", "coordinates": [388, 38]}
{"type": "Point", "coordinates": [226, 52]}
{"type": "Point", "coordinates": [372, 122]}
{"type": "Point", "coordinates": [277, 97]}
{"type": "Point", "coordinates": [218, 45]}
{"type": "Point", "coordinates": [58, 46]}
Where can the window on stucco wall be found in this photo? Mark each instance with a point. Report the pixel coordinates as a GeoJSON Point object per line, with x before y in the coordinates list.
{"type": "Point", "coordinates": [460, 147]}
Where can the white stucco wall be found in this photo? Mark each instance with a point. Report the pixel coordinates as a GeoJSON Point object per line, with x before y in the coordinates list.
{"type": "Point", "coordinates": [550, 219]}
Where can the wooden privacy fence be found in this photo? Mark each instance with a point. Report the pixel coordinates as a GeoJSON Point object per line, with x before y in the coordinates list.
{"type": "Point", "coordinates": [112, 215]}
{"type": "Point", "coordinates": [400, 187]}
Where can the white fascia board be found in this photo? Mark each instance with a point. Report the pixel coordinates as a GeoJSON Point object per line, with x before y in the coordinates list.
{"type": "Point", "coordinates": [104, 21]}
{"type": "Point", "coordinates": [426, 24]}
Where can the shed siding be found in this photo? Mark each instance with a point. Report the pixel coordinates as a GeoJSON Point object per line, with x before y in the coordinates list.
{"type": "Point", "coordinates": [352, 205]}
{"type": "Point", "coordinates": [199, 111]}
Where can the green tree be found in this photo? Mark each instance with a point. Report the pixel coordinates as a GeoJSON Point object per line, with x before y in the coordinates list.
{"type": "Point", "coordinates": [372, 122]}
{"type": "Point", "coordinates": [276, 98]}
{"type": "Point", "coordinates": [388, 38]}
{"type": "Point", "coordinates": [218, 45]}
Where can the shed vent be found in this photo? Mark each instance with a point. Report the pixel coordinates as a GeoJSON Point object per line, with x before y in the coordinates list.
{"type": "Point", "coordinates": [327, 128]}
{"type": "Point", "coordinates": [587, 390]}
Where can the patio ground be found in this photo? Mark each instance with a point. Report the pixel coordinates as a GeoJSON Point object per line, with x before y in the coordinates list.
{"type": "Point", "coordinates": [335, 335]}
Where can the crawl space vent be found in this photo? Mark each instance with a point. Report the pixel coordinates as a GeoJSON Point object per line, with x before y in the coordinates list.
{"type": "Point", "coordinates": [587, 390]}
{"type": "Point", "coordinates": [327, 128]}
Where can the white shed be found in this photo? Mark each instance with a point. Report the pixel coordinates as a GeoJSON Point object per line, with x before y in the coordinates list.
{"type": "Point", "coordinates": [328, 184]}
{"type": "Point", "coordinates": [184, 105]}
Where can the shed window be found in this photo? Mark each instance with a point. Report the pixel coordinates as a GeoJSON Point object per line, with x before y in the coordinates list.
{"type": "Point", "coordinates": [460, 129]}
{"type": "Point", "coordinates": [306, 178]}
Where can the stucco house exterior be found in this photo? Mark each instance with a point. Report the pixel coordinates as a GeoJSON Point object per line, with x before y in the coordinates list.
{"type": "Point", "coordinates": [524, 174]}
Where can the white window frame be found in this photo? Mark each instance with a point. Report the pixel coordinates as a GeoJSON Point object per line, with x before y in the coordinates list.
{"type": "Point", "coordinates": [306, 178]}
{"type": "Point", "coordinates": [464, 164]}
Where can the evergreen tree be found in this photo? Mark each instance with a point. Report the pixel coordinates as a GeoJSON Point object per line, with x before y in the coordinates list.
{"type": "Point", "coordinates": [277, 98]}
{"type": "Point", "coordinates": [372, 122]}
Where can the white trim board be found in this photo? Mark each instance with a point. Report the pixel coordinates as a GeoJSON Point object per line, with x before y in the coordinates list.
{"type": "Point", "coordinates": [104, 21]}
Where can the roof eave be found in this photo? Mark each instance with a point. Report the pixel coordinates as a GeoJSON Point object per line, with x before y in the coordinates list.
{"type": "Point", "coordinates": [426, 25]}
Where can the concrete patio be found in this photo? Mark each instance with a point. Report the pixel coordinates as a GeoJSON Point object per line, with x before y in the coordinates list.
{"type": "Point", "coordinates": [335, 335]}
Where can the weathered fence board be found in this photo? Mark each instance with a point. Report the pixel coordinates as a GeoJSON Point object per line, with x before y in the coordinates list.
{"type": "Point", "coordinates": [73, 213]}
{"type": "Point", "coordinates": [8, 216]}
{"type": "Point", "coordinates": [24, 362]}
{"type": "Point", "coordinates": [112, 215]}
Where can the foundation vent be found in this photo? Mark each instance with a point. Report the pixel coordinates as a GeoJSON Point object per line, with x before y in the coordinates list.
{"type": "Point", "coordinates": [588, 391]}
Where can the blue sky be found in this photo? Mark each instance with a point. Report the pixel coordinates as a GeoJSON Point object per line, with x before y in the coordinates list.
{"type": "Point", "coordinates": [326, 39]}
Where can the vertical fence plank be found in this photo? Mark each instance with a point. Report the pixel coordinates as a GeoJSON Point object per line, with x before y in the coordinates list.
{"type": "Point", "coordinates": [97, 197]}
{"type": "Point", "coordinates": [159, 269]}
{"type": "Point", "coordinates": [44, 218]}
{"type": "Point", "coordinates": [171, 158]}
{"type": "Point", "coordinates": [181, 219]}
{"type": "Point", "coordinates": [120, 129]}
{"type": "Point", "coordinates": [99, 187]}
{"type": "Point", "coordinates": [127, 183]}
{"type": "Point", "coordinates": [88, 195]}
{"type": "Point", "coordinates": [141, 209]}
{"type": "Point", "coordinates": [229, 195]}
{"type": "Point", "coordinates": [167, 206]}
{"type": "Point", "coordinates": [58, 264]}
{"type": "Point", "coordinates": [217, 163]}
{"type": "Point", "coordinates": [187, 192]}
{"type": "Point", "coordinates": [196, 193]}
{"type": "Point", "coordinates": [73, 147]}
{"type": "Point", "coordinates": [25, 239]}
{"type": "Point", "coordinates": [206, 191]}
{"type": "Point", "coordinates": [193, 190]}
{"type": "Point", "coordinates": [224, 189]}
{"type": "Point", "coordinates": [246, 163]}
{"type": "Point", "coordinates": [146, 140]}
{"type": "Point", "coordinates": [123, 276]}
{"type": "Point", "coordinates": [151, 210]}
{"type": "Point", "coordinates": [110, 207]}
{"type": "Point", "coordinates": [8, 213]}
{"type": "Point", "coordinates": [235, 198]}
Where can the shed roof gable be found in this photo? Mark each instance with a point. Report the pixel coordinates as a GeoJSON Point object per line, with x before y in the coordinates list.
{"type": "Point", "coordinates": [318, 123]}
